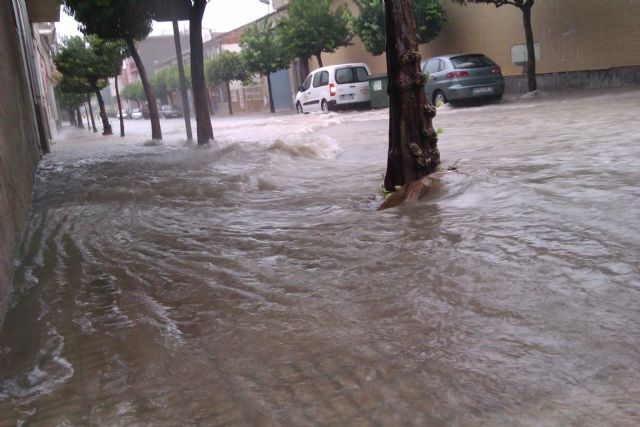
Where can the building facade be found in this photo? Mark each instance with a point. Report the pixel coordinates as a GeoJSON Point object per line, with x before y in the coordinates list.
{"type": "Point", "coordinates": [27, 114]}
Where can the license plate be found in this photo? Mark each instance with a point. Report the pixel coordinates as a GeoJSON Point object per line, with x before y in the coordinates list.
{"type": "Point", "coordinates": [482, 90]}
{"type": "Point", "coordinates": [348, 97]}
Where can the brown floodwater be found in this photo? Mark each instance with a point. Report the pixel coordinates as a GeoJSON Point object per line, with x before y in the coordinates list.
{"type": "Point", "coordinates": [254, 283]}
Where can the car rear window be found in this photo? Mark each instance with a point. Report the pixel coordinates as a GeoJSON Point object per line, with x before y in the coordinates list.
{"type": "Point", "coordinates": [351, 75]}
{"type": "Point", "coordinates": [471, 61]}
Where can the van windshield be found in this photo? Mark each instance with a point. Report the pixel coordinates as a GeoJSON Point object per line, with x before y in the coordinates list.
{"type": "Point", "coordinates": [351, 75]}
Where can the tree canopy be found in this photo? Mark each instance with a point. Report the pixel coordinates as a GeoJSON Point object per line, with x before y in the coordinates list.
{"type": "Point", "coordinates": [369, 25]}
{"type": "Point", "coordinates": [134, 90]}
{"type": "Point", "coordinates": [225, 67]}
{"type": "Point", "coordinates": [311, 27]}
{"type": "Point", "coordinates": [262, 49]}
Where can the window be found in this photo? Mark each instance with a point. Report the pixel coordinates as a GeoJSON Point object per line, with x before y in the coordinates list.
{"type": "Point", "coordinates": [307, 83]}
{"type": "Point", "coordinates": [361, 74]}
{"type": "Point", "coordinates": [433, 66]}
{"type": "Point", "coordinates": [316, 79]}
{"type": "Point", "coordinates": [324, 78]}
{"type": "Point", "coordinates": [472, 61]}
{"type": "Point", "coordinates": [344, 75]}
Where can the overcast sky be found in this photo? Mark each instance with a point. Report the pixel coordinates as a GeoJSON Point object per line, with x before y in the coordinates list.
{"type": "Point", "coordinates": [220, 16]}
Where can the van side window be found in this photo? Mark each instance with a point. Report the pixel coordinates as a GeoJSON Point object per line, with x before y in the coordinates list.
{"type": "Point", "coordinates": [344, 75]}
{"type": "Point", "coordinates": [316, 79]}
{"type": "Point", "coordinates": [324, 78]}
{"type": "Point", "coordinates": [307, 83]}
{"type": "Point", "coordinates": [361, 74]}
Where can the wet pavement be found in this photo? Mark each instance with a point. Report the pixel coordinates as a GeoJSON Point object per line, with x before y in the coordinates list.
{"type": "Point", "coordinates": [254, 283]}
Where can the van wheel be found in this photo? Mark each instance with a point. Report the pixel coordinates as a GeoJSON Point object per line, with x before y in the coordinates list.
{"type": "Point", "coordinates": [324, 105]}
{"type": "Point", "coordinates": [299, 108]}
{"type": "Point", "coordinates": [439, 98]}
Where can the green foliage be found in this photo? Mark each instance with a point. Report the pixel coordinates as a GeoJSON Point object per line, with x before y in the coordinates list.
{"type": "Point", "coordinates": [311, 27]}
{"type": "Point", "coordinates": [114, 51]}
{"type": "Point", "coordinates": [369, 25]}
{"type": "Point", "coordinates": [262, 49]}
{"type": "Point", "coordinates": [112, 19]}
{"type": "Point", "coordinates": [80, 63]}
{"type": "Point", "coordinates": [225, 67]}
{"type": "Point", "coordinates": [134, 91]}
{"type": "Point", "coordinates": [167, 79]}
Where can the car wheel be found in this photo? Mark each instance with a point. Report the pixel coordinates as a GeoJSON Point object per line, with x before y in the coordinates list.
{"type": "Point", "coordinates": [439, 98]}
{"type": "Point", "coordinates": [324, 105]}
{"type": "Point", "coordinates": [299, 108]}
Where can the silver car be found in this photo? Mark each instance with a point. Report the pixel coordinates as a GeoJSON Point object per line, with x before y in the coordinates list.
{"type": "Point", "coordinates": [462, 77]}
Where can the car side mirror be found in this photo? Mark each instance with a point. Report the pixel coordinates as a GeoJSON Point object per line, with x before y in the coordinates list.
{"type": "Point", "coordinates": [300, 88]}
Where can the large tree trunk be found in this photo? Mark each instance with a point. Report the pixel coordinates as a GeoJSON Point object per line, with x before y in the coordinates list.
{"type": "Point", "coordinates": [319, 58]}
{"type": "Point", "coordinates": [229, 98]}
{"type": "Point", "coordinates": [79, 122]}
{"type": "Point", "coordinates": [203, 119]}
{"type": "Point", "coordinates": [413, 150]}
{"type": "Point", "coordinates": [156, 132]}
{"type": "Point", "coordinates": [106, 126]}
{"type": "Point", "coordinates": [531, 54]}
{"type": "Point", "coordinates": [93, 121]}
{"type": "Point", "coordinates": [72, 117]}
{"type": "Point", "coordinates": [119, 108]}
{"type": "Point", "coordinates": [272, 108]}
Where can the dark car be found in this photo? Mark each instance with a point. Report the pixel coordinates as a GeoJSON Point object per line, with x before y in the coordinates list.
{"type": "Point", "coordinates": [462, 77]}
{"type": "Point", "coordinates": [169, 111]}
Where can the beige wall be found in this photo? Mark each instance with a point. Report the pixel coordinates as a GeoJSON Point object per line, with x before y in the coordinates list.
{"type": "Point", "coordinates": [573, 35]}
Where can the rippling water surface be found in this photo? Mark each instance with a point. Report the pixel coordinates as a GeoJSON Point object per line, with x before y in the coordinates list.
{"type": "Point", "coordinates": [254, 283]}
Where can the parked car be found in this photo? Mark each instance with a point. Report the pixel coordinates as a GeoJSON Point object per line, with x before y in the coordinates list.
{"type": "Point", "coordinates": [333, 87]}
{"type": "Point", "coordinates": [169, 111]}
{"type": "Point", "coordinates": [123, 113]}
{"type": "Point", "coordinates": [462, 77]}
{"type": "Point", "coordinates": [136, 114]}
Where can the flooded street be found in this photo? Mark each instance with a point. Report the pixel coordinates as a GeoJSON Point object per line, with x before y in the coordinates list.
{"type": "Point", "coordinates": [253, 283]}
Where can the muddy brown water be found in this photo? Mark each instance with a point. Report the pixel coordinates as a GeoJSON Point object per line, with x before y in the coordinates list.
{"type": "Point", "coordinates": [254, 283]}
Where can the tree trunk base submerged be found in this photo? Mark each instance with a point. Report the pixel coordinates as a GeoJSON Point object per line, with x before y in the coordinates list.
{"type": "Point", "coordinates": [414, 191]}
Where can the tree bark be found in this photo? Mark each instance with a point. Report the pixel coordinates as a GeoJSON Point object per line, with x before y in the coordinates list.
{"type": "Point", "coordinates": [119, 108]}
{"type": "Point", "coordinates": [204, 130]}
{"type": "Point", "coordinates": [156, 132]}
{"type": "Point", "coordinates": [272, 108]}
{"type": "Point", "coordinates": [531, 53]}
{"type": "Point", "coordinates": [229, 98]}
{"type": "Point", "coordinates": [319, 58]}
{"type": "Point", "coordinates": [106, 126]}
{"type": "Point", "coordinates": [413, 150]}
{"type": "Point", "coordinates": [72, 117]}
{"type": "Point", "coordinates": [93, 121]}
{"type": "Point", "coordinates": [80, 123]}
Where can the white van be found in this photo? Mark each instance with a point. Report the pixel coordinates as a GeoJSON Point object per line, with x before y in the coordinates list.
{"type": "Point", "coordinates": [334, 86]}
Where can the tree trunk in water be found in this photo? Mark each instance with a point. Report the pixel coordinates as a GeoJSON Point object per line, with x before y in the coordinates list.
{"type": "Point", "coordinates": [272, 108]}
{"type": "Point", "coordinates": [229, 98]}
{"type": "Point", "coordinates": [413, 150]}
{"type": "Point", "coordinates": [119, 108]}
{"type": "Point", "coordinates": [319, 58]}
{"type": "Point", "coordinates": [156, 132]}
{"type": "Point", "coordinates": [80, 124]}
{"type": "Point", "coordinates": [203, 119]}
{"type": "Point", "coordinates": [106, 126]}
{"type": "Point", "coordinates": [72, 117]}
{"type": "Point", "coordinates": [93, 121]}
{"type": "Point", "coordinates": [531, 53]}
